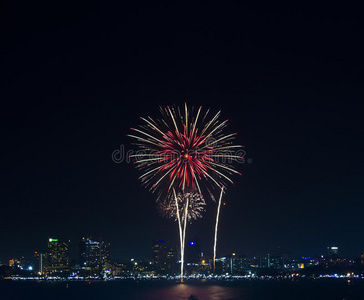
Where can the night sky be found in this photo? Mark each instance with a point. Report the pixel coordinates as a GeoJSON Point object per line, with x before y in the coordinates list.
{"type": "Point", "coordinates": [76, 77]}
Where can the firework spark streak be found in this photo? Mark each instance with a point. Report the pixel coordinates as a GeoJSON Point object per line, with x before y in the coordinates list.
{"type": "Point", "coordinates": [182, 208]}
{"type": "Point", "coordinates": [185, 151]}
{"type": "Point", "coordinates": [180, 231]}
{"type": "Point", "coordinates": [216, 226]}
{"type": "Point", "coordinates": [173, 208]}
{"type": "Point", "coordinates": [184, 239]}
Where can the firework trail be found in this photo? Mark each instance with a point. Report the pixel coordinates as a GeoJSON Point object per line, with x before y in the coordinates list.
{"type": "Point", "coordinates": [186, 152]}
{"type": "Point", "coordinates": [216, 225]}
{"type": "Point", "coordinates": [183, 208]}
{"type": "Point", "coordinates": [180, 233]}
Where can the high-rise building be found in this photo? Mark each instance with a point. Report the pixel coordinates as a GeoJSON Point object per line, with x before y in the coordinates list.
{"type": "Point", "coordinates": [171, 266]}
{"type": "Point", "coordinates": [275, 261]}
{"type": "Point", "coordinates": [241, 264]}
{"type": "Point", "coordinates": [193, 251]}
{"type": "Point", "coordinates": [58, 257]}
{"type": "Point", "coordinates": [159, 256]}
{"type": "Point", "coordinates": [333, 252]}
{"type": "Point", "coordinates": [94, 256]}
{"type": "Point", "coordinates": [164, 257]}
{"type": "Point", "coordinates": [40, 263]}
{"type": "Point", "coordinates": [234, 264]}
{"type": "Point", "coordinates": [263, 261]}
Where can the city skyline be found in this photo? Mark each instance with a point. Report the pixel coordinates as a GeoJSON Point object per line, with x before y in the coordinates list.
{"type": "Point", "coordinates": [85, 244]}
{"type": "Point", "coordinates": [95, 262]}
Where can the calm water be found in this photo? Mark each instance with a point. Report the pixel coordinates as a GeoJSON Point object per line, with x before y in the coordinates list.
{"type": "Point", "coordinates": [168, 290]}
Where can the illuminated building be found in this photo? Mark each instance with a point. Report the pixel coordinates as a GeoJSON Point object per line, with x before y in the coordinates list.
{"type": "Point", "coordinates": [362, 258]}
{"type": "Point", "coordinates": [58, 257]}
{"type": "Point", "coordinates": [121, 269]}
{"type": "Point", "coordinates": [18, 263]}
{"type": "Point", "coordinates": [193, 256]}
{"type": "Point", "coordinates": [204, 265]}
{"type": "Point", "coordinates": [163, 258]}
{"type": "Point", "coordinates": [159, 256]}
{"type": "Point", "coordinates": [40, 262]}
{"type": "Point", "coordinates": [105, 249]}
{"type": "Point", "coordinates": [332, 252]}
{"type": "Point", "coordinates": [171, 259]}
{"type": "Point", "coordinates": [193, 252]}
{"type": "Point", "coordinates": [94, 256]}
{"type": "Point", "coordinates": [14, 262]}
{"type": "Point", "coordinates": [332, 258]}
{"type": "Point", "coordinates": [242, 264]}
{"type": "Point", "coordinates": [233, 264]}
{"type": "Point", "coordinates": [140, 268]}
{"type": "Point", "coordinates": [263, 261]}
{"type": "Point", "coordinates": [309, 262]}
{"type": "Point", "coordinates": [275, 261]}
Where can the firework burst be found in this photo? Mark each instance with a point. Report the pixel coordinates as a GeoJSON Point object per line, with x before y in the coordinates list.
{"type": "Point", "coordinates": [196, 205]}
{"type": "Point", "coordinates": [186, 151]}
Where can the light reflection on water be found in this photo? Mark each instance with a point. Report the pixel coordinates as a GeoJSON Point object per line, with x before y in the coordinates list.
{"type": "Point", "coordinates": [333, 289]}
{"type": "Point", "coordinates": [201, 292]}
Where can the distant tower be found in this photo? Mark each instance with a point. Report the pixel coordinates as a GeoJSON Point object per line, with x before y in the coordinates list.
{"type": "Point", "coordinates": [275, 261]}
{"type": "Point", "coordinates": [193, 250]}
{"type": "Point", "coordinates": [105, 248]}
{"type": "Point", "coordinates": [40, 263]}
{"type": "Point", "coordinates": [159, 256]}
{"type": "Point", "coordinates": [332, 252]}
{"type": "Point", "coordinates": [94, 256]}
{"type": "Point", "coordinates": [58, 257]}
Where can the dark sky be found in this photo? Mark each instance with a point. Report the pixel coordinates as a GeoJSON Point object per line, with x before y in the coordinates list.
{"type": "Point", "coordinates": [76, 77]}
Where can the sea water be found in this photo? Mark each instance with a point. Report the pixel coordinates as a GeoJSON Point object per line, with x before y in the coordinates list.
{"type": "Point", "coordinates": [333, 289]}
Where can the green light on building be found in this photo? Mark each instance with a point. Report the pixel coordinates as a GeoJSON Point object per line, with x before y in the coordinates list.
{"type": "Point", "coordinates": [53, 240]}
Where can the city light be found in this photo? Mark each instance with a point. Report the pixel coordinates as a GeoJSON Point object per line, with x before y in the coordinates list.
{"type": "Point", "coordinates": [95, 263]}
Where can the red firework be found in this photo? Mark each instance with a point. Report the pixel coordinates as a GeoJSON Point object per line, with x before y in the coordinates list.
{"type": "Point", "coordinates": [181, 151]}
